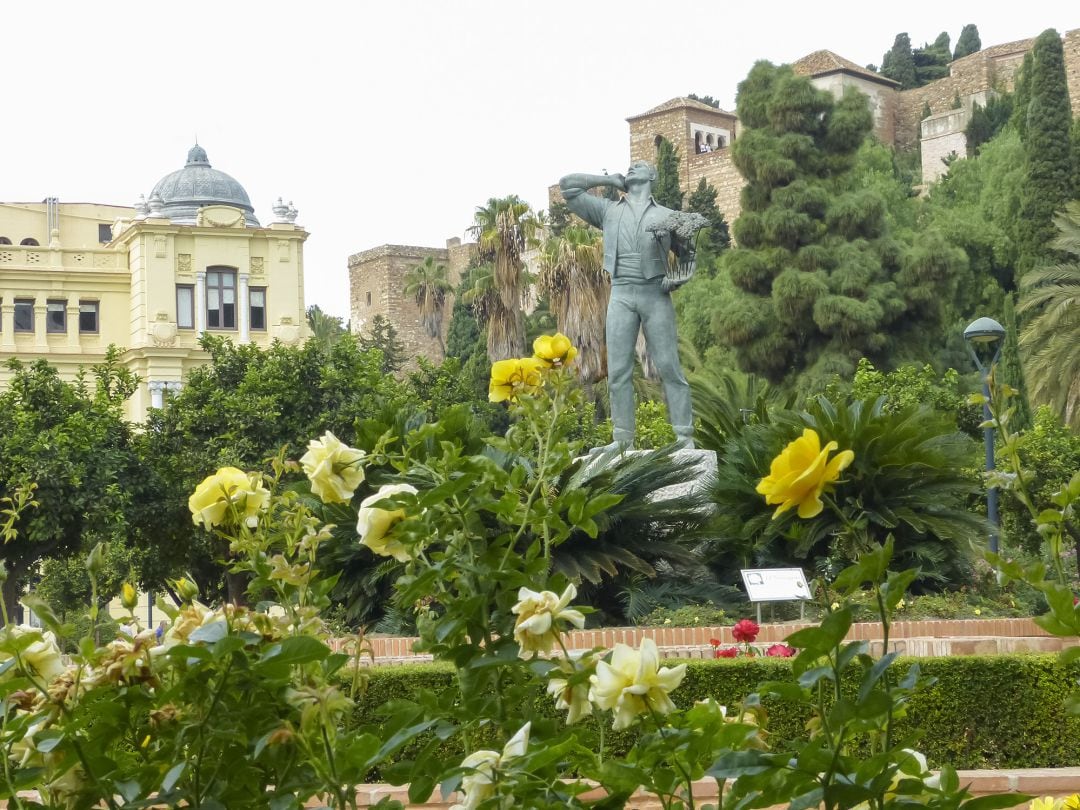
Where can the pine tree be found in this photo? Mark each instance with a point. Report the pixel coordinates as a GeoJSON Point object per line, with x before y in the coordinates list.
{"type": "Point", "coordinates": [932, 60]}
{"type": "Point", "coordinates": [819, 281]}
{"type": "Point", "coordinates": [1048, 148]}
{"type": "Point", "coordinates": [968, 42]}
{"type": "Point", "coordinates": [666, 189]}
{"type": "Point", "coordinates": [988, 121]}
{"type": "Point", "coordinates": [383, 336]}
{"type": "Point", "coordinates": [898, 64]}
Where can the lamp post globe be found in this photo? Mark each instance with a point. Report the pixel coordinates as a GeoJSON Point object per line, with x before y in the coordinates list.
{"type": "Point", "coordinates": [987, 334]}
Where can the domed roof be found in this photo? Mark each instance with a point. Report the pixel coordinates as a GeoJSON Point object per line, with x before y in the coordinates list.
{"type": "Point", "coordinates": [197, 185]}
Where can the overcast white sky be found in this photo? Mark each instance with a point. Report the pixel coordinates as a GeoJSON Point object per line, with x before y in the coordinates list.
{"type": "Point", "coordinates": [391, 121]}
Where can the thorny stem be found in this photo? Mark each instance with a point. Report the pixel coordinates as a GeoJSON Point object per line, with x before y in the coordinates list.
{"type": "Point", "coordinates": [679, 766]}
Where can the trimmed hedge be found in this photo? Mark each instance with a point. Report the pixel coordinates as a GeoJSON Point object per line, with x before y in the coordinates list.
{"type": "Point", "coordinates": [1002, 711]}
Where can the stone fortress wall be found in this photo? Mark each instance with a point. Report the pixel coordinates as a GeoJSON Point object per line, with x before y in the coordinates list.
{"type": "Point", "coordinates": [693, 127]}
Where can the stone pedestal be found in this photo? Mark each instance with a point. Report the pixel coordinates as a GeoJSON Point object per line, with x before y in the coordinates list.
{"type": "Point", "coordinates": [702, 462]}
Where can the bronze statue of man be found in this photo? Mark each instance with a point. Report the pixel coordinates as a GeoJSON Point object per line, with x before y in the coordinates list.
{"type": "Point", "coordinates": [636, 258]}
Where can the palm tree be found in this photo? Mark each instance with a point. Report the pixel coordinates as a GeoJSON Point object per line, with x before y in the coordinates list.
{"type": "Point", "coordinates": [428, 284]}
{"type": "Point", "coordinates": [1050, 296]}
{"type": "Point", "coordinates": [572, 277]}
{"type": "Point", "coordinates": [503, 229]}
{"type": "Point", "coordinates": [325, 329]}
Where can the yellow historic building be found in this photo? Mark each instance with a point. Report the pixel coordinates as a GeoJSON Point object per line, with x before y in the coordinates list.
{"type": "Point", "coordinates": [150, 279]}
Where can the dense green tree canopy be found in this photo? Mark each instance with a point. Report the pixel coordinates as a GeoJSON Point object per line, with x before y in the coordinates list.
{"type": "Point", "coordinates": [71, 440]}
{"type": "Point", "coordinates": [822, 282]}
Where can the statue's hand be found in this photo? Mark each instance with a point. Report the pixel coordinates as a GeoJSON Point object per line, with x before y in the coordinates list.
{"type": "Point", "coordinates": [681, 273]}
{"type": "Point", "coordinates": [618, 181]}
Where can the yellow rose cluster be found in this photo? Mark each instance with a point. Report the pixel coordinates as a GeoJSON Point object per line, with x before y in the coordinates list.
{"type": "Point", "coordinates": [801, 473]}
{"type": "Point", "coordinates": [510, 378]}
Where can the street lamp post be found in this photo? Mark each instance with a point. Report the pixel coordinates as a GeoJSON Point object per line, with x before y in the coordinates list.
{"type": "Point", "coordinates": [987, 333]}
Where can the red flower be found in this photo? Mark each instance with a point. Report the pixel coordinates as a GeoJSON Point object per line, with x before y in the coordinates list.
{"type": "Point", "coordinates": [745, 630]}
{"type": "Point", "coordinates": [715, 642]}
{"type": "Point", "coordinates": [727, 652]}
{"type": "Point", "coordinates": [780, 651]}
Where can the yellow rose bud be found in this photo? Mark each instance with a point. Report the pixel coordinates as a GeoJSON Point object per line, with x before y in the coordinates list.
{"type": "Point", "coordinates": [187, 590]}
{"type": "Point", "coordinates": [129, 598]}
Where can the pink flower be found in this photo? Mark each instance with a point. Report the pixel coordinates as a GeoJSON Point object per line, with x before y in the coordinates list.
{"type": "Point", "coordinates": [727, 652]}
{"type": "Point", "coordinates": [715, 642]}
{"type": "Point", "coordinates": [780, 651]}
{"type": "Point", "coordinates": [745, 630]}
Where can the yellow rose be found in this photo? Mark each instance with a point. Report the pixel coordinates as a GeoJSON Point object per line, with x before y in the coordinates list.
{"type": "Point", "coordinates": [800, 474]}
{"type": "Point", "coordinates": [554, 350]}
{"type": "Point", "coordinates": [634, 682]}
{"type": "Point", "coordinates": [509, 378]}
{"type": "Point", "coordinates": [478, 784]}
{"type": "Point", "coordinates": [1045, 803]}
{"type": "Point", "coordinates": [535, 629]}
{"type": "Point", "coordinates": [333, 468]}
{"type": "Point", "coordinates": [209, 504]}
{"type": "Point", "coordinates": [373, 524]}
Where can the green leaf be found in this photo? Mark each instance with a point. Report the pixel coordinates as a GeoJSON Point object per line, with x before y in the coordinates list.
{"type": "Point", "coordinates": [209, 633]}
{"type": "Point", "coordinates": [295, 650]}
{"type": "Point", "coordinates": [996, 801]}
{"type": "Point", "coordinates": [172, 776]}
{"type": "Point", "coordinates": [734, 764]}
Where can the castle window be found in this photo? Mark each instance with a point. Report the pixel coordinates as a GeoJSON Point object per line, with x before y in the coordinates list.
{"type": "Point", "coordinates": [89, 312]}
{"type": "Point", "coordinates": [4, 240]}
{"type": "Point", "coordinates": [104, 233]}
{"type": "Point", "coordinates": [29, 242]}
{"type": "Point", "coordinates": [220, 298]}
{"type": "Point", "coordinates": [185, 306]}
{"type": "Point", "coordinates": [257, 304]}
{"type": "Point", "coordinates": [24, 314]}
{"type": "Point", "coordinates": [369, 299]}
{"type": "Point", "coordinates": [657, 140]}
{"type": "Point", "coordinates": [56, 317]}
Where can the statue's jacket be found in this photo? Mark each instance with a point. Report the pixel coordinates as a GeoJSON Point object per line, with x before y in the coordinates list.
{"type": "Point", "coordinates": [622, 234]}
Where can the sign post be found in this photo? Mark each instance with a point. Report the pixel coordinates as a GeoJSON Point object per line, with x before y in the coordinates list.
{"type": "Point", "coordinates": [775, 585]}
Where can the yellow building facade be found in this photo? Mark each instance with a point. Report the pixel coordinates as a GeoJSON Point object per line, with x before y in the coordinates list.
{"type": "Point", "coordinates": [149, 278]}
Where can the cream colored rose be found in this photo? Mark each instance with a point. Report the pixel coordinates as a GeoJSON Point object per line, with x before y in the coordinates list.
{"type": "Point", "coordinates": [42, 656]}
{"type": "Point", "coordinates": [209, 504]}
{"type": "Point", "coordinates": [634, 683]}
{"type": "Point", "coordinates": [374, 524]}
{"type": "Point", "coordinates": [535, 629]}
{"type": "Point", "coordinates": [333, 468]}
{"type": "Point", "coordinates": [478, 784]}
{"type": "Point", "coordinates": [572, 697]}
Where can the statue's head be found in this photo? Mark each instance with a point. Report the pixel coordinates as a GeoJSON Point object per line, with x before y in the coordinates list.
{"type": "Point", "coordinates": [640, 171]}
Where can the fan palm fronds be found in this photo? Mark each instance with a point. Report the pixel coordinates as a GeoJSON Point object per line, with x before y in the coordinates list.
{"type": "Point", "coordinates": [1050, 297]}
{"type": "Point", "coordinates": [428, 285]}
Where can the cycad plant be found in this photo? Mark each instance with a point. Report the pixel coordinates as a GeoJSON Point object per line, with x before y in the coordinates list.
{"type": "Point", "coordinates": [1050, 298]}
{"type": "Point", "coordinates": [909, 479]}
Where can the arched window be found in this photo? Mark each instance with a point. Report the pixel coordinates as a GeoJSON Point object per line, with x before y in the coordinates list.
{"type": "Point", "coordinates": [29, 242]}
{"type": "Point", "coordinates": [657, 140]}
{"type": "Point", "coordinates": [710, 140]}
{"type": "Point", "coordinates": [720, 142]}
{"type": "Point", "coordinates": [697, 142]}
{"type": "Point", "coordinates": [4, 240]}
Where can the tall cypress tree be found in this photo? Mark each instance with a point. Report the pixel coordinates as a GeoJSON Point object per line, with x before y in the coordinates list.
{"type": "Point", "coordinates": [1048, 147]}
{"type": "Point", "coordinates": [1022, 95]}
{"type": "Point", "coordinates": [968, 42]}
{"type": "Point", "coordinates": [716, 237]}
{"type": "Point", "coordinates": [899, 64]}
{"type": "Point", "coordinates": [666, 189]}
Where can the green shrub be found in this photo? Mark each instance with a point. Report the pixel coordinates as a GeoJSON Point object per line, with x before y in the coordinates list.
{"type": "Point", "coordinates": [1004, 711]}
{"type": "Point", "coordinates": [686, 616]}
